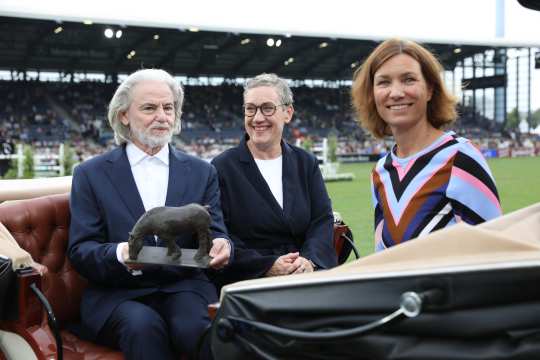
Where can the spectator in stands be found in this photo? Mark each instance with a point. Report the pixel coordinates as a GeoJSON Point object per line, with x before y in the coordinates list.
{"type": "Point", "coordinates": [431, 179]}
{"type": "Point", "coordinates": [274, 200]}
{"type": "Point", "coordinates": [149, 312]}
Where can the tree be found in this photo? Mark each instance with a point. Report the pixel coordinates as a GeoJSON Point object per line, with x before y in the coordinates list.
{"type": "Point", "coordinates": [28, 165]}
{"type": "Point", "coordinates": [307, 144]}
{"type": "Point", "coordinates": [69, 159]}
{"type": "Point", "coordinates": [332, 147]}
{"type": "Point", "coordinates": [11, 173]}
{"type": "Point", "coordinates": [512, 120]}
{"type": "Point", "coordinates": [28, 162]}
{"type": "Point", "coordinates": [534, 121]}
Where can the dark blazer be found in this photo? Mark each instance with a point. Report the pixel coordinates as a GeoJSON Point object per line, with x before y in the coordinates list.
{"type": "Point", "coordinates": [105, 204]}
{"type": "Point", "coordinates": [259, 227]}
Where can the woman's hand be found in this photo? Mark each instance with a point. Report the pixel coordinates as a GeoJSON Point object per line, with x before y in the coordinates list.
{"type": "Point", "coordinates": [304, 265]}
{"type": "Point", "coordinates": [284, 265]}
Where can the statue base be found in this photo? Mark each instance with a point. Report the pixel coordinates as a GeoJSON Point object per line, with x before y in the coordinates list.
{"type": "Point", "coordinates": [157, 255]}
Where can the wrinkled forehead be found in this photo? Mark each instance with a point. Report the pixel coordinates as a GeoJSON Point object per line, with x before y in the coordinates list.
{"type": "Point", "coordinates": [152, 91]}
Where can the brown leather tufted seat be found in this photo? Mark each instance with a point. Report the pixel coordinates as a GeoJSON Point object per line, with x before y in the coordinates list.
{"type": "Point", "coordinates": [41, 227]}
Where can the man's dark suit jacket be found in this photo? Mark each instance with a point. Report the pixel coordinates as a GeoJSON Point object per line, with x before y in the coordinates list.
{"type": "Point", "coordinates": [261, 230]}
{"type": "Point", "coordinates": [105, 204]}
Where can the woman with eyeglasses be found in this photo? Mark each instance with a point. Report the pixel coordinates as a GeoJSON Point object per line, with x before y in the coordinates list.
{"type": "Point", "coordinates": [273, 197]}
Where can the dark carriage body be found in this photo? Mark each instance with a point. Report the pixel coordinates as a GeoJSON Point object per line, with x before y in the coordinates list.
{"type": "Point", "coordinates": [478, 291]}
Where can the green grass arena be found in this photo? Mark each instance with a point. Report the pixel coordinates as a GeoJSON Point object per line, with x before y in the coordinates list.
{"type": "Point", "coordinates": [517, 179]}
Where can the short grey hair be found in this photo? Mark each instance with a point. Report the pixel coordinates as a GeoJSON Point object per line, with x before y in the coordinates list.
{"type": "Point", "coordinates": [272, 80]}
{"type": "Point", "coordinates": [121, 100]}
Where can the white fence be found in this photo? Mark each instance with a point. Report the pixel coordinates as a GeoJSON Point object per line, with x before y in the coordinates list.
{"type": "Point", "coordinates": [47, 164]}
{"type": "Point", "coordinates": [329, 170]}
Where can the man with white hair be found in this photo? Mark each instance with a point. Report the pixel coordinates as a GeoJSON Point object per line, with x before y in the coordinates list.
{"type": "Point", "coordinates": [153, 312]}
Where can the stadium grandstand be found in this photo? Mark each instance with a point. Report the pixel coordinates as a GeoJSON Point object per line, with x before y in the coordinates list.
{"type": "Point", "coordinates": [56, 78]}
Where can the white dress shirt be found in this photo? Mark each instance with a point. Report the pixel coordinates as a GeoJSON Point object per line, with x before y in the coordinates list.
{"type": "Point", "coordinates": [151, 174]}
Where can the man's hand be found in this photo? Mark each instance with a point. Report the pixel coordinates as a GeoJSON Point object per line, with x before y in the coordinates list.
{"type": "Point", "coordinates": [304, 265]}
{"type": "Point", "coordinates": [284, 265]}
{"type": "Point", "coordinates": [220, 253]}
{"type": "Point", "coordinates": [124, 251]}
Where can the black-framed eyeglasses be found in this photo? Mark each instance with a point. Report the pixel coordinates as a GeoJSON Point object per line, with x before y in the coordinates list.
{"type": "Point", "coordinates": [267, 109]}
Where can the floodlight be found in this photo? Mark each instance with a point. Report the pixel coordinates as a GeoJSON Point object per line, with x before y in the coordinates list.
{"type": "Point", "coordinates": [289, 61]}
{"type": "Point", "coordinates": [108, 33]}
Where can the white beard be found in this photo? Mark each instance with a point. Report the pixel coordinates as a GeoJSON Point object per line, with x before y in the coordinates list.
{"type": "Point", "coordinates": [145, 137]}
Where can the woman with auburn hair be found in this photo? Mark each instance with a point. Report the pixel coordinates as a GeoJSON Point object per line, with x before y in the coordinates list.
{"type": "Point", "coordinates": [431, 178]}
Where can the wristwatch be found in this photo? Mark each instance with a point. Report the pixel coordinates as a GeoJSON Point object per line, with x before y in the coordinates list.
{"type": "Point", "coordinates": [315, 267]}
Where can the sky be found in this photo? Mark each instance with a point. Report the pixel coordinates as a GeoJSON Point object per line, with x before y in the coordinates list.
{"type": "Point", "coordinates": [445, 21]}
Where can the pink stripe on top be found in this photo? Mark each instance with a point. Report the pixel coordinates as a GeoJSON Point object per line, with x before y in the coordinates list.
{"type": "Point", "coordinates": [465, 176]}
{"type": "Point", "coordinates": [402, 172]}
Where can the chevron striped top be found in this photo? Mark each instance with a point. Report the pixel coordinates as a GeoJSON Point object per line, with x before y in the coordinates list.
{"type": "Point", "coordinates": [447, 182]}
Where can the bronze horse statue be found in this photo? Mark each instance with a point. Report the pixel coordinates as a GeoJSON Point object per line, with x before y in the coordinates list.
{"type": "Point", "coordinates": [168, 223]}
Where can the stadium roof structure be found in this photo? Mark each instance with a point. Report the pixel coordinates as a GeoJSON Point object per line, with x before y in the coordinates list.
{"type": "Point", "coordinates": [47, 45]}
